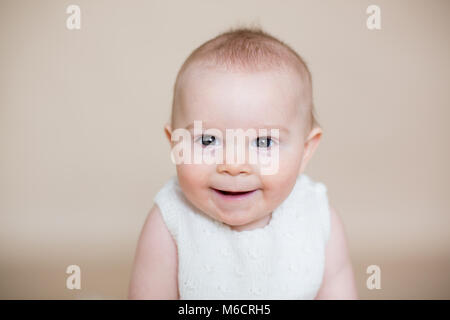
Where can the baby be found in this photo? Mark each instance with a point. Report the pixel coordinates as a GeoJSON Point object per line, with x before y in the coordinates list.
{"type": "Point", "coordinates": [226, 229]}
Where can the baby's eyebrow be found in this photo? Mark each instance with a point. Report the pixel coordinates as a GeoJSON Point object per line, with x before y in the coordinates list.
{"type": "Point", "coordinates": [257, 127]}
{"type": "Point", "coordinates": [270, 127]}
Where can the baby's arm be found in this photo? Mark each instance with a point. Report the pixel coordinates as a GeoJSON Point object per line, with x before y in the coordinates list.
{"type": "Point", "coordinates": [154, 273]}
{"type": "Point", "coordinates": [338, 280]}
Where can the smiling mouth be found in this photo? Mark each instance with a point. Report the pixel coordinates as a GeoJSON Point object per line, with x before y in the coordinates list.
{"type": "Point", "coordinates": [234, 194]}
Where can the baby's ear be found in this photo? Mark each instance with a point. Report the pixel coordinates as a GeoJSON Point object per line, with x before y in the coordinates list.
{"type": "Point", "coordinates": [311, 144]}
{"type": "Point", "coordinates": [168, 132]}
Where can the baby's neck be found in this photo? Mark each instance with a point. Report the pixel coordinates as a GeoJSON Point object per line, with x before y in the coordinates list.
{"type": "Point", "coordinates": [261, 223]}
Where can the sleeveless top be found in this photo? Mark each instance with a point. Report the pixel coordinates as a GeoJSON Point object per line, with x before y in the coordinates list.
{"type": "Point", "coordinates": [283, 260]}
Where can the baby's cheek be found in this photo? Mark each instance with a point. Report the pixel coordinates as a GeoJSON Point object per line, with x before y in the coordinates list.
{"type": "Point", "coordinates": [288, 160]}
{"type": "Point", "coordinates": [194, 181]}
{"type": "Point", "coordinates": [285, 177]}
{"type": "Point", "coordinates": [193, 175]}
{"type": "Point", "coordinates": [291, 156]}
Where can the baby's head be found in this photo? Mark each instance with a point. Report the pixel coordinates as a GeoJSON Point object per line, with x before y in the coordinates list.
{"type": "Point", "coordinates": [244, 79]}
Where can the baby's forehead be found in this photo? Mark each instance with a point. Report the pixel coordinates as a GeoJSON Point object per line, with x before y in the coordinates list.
{"type": "Point", "coordinates": [226, 94]}
{"type": "Point", "coordinates": [290, 77]}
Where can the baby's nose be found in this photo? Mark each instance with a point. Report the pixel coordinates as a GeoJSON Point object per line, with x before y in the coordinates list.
{"type": "Point", "coordinates": [236, 159]}
{"type": "Point", "coordinates": [234, 164]}
{"type": "Point", "coordinates": [234, 169]}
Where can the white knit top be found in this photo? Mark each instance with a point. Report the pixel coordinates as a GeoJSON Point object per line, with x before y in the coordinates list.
{"type": "Point", "coordinates": [283, 260]}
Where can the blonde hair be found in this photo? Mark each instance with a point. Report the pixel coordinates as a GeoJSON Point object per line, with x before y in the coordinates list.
{"type": "Point", "coordinates": [248, 49]}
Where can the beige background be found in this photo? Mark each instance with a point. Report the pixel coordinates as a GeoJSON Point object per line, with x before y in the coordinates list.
{"type": "Point", "coordinates": [83, 150]}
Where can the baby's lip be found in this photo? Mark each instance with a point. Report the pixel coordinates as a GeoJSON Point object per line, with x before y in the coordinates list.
{"type": "Point", "coordinates": [233, 191]}
{"type": "Point", "coordinates": [234, 195]}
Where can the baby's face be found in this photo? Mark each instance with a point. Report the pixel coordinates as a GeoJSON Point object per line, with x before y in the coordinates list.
{"type": "Point", "coordinates": [225, 100]}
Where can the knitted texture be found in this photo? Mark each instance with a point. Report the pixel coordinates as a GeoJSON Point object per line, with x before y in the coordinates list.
{"type": "Point", "coordinates": [283, 260]}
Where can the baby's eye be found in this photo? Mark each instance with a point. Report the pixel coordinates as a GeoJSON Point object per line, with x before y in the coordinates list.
{"type": "Point", "coordinates": [264, 142]}
{"type": "Point", "coordinates": [208, 140]}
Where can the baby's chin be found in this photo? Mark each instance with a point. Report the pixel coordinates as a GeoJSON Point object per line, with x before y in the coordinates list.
{"type": "Point", "coordinates": [240, 219]}
{"type": "Point", "coordinates": [235, 218]}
